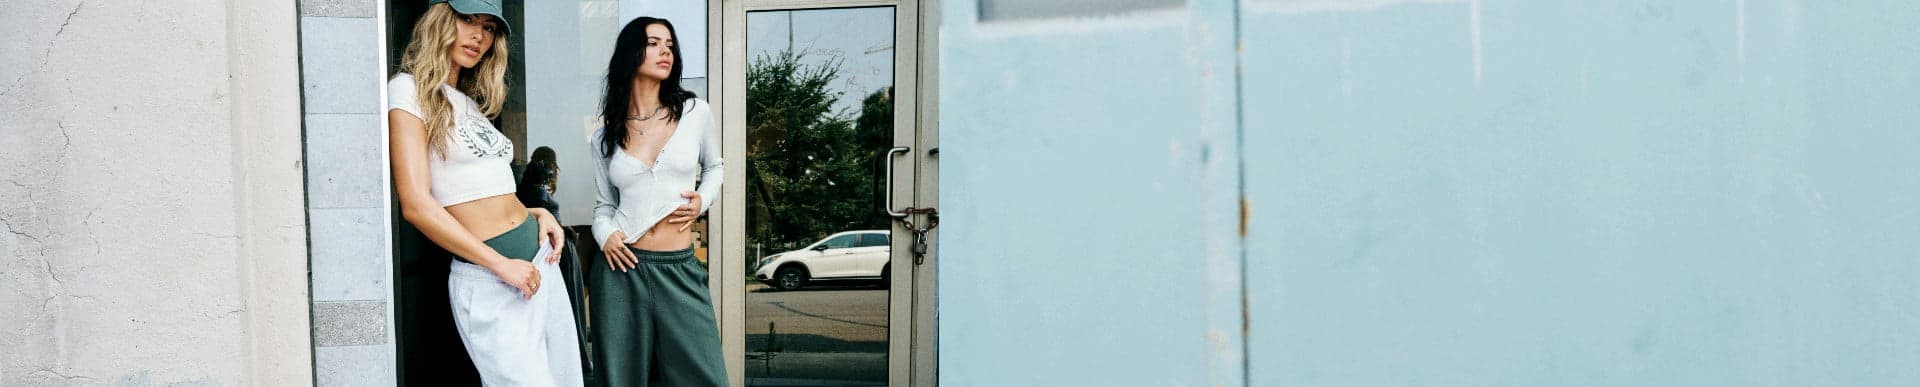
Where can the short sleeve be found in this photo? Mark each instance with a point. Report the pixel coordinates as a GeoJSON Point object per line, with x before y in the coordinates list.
{"type": "Point", "coordinates": [400, 95]}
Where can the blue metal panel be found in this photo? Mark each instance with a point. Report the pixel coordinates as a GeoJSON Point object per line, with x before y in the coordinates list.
{"type": "Point", "coordinates": [1441, 193]}
{"type": "Point", "coordinates": [1595, 193]}
{"type": "Point", "coordinates": [1092, 165]}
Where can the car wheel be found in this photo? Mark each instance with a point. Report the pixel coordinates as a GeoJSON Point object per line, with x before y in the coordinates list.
{"type": "Point", "coordinates": [886, 275]}
{"type": "Point", "coordinates": [790, 278]}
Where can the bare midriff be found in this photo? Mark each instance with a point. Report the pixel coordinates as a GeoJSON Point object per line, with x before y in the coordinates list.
{"type": "Point", "coordinates": [664, 236]}
{"type": "Point", "coordinates": [491, 216]}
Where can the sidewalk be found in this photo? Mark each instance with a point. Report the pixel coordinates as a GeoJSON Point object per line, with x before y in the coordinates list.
{"type": "Point", "coordinates": [817, 369]}
{"type": "Point", "coordinates": [780, 382]}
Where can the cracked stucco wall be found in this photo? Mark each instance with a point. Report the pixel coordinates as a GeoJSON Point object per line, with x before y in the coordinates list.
{"type": "Point", "coordinates": [150, 193]}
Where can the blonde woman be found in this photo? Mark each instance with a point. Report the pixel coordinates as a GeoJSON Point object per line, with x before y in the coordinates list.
{"type": "Point", "coordinates": [452, 172]}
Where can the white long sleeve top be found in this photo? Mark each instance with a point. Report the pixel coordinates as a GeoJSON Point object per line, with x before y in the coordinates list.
{"type": "Point", "coordinates": [633, 196]}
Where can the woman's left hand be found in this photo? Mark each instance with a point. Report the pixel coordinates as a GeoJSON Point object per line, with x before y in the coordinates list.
{"type": "Point", "coordinates": [550, 232]}
{"type": "Point", "coordinates": [685, 214]}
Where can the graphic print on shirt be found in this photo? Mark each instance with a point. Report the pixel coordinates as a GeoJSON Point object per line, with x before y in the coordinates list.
{"type": "Point", "coordinates": [480, 138]}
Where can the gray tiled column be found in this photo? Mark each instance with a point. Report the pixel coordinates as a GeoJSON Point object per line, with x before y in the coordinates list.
{"type": "Point", "coordinates": [352, 262]}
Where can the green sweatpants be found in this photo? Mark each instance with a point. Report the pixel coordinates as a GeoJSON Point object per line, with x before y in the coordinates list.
{"type": "Point", "coordinates": [653, 325]}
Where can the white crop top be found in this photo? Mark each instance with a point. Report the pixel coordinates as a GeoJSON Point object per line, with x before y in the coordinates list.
{"type": "Point", "coordinates": [479, 160]}
{"type": "Point", "coordinates": [633, 197]}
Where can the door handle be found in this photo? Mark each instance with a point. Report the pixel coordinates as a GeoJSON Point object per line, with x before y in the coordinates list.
{"type": "Point", "coordinates": [889, 194]}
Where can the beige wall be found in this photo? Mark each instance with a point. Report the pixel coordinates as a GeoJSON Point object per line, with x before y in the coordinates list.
{"type": "Point", "coordinates": [152, 199]}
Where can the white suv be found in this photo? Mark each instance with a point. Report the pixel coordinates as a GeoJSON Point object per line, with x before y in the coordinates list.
{"type": "Point", "coordinates": [850, 255]}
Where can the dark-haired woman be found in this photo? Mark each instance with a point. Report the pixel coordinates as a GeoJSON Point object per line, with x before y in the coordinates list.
{"type": "Point", "coordinates": [651, 312]}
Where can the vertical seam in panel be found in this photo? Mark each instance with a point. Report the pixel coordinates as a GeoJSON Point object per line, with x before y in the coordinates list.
{"type": "Point", "coordinates": [1240, 170]}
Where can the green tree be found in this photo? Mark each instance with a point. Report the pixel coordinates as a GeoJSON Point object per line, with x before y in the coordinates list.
{"type": "Point", "coordinates": [875, 135]}
{"type": "Point", "coordinates": [811, 171]}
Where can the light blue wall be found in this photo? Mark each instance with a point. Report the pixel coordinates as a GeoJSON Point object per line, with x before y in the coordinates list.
{"type": "Point", "coordinates": [1092, 171]}
{"type": "Point", "coordinates": [1622, 193]}
{"type": "Point", "coordinates": [1439, 193]}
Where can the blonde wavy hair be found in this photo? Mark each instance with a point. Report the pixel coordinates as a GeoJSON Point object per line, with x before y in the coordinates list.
{"type": "Point", "coordinates": [427, 59]}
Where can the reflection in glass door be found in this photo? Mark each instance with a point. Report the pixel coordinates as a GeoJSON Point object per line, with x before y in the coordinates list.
{"type": "Point", "coordinates": [819, 109]}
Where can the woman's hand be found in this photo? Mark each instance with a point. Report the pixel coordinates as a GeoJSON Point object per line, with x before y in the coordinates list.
{"type": "Point", "coordinates": [520, 274]}
{"type": "Point", "coordinates": [686, 213]}
{"type": "Point", "coordinates": [550, 232]}
{"type": "Point", "coordinates": [618, 257]}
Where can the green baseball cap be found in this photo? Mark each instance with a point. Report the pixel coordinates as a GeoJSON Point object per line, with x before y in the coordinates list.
{"type": "Point", "coordinates": [479, 7]}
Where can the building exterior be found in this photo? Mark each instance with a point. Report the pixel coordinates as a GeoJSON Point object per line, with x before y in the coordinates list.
{"type": "Point", "coordinates": [1140, 192]}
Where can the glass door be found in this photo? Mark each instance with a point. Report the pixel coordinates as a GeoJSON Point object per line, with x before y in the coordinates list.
{"type": "Point", "coordinates": [818, 109]}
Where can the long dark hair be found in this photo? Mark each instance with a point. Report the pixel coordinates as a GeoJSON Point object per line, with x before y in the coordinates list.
{"type": "Point", "coordinates": [544, 156]}
{"type": "Point", "coordinates": [628, 51]}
